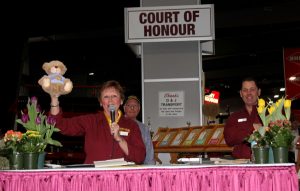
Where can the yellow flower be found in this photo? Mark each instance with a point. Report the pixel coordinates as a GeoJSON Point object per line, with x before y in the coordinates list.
{"type": "Point", "coordinates": [260, 109]}
{"type": "Point", "coordinates": [278, 102]}
{"type": "Point", "coordinates": [287, 108]}
{"type": "Point", "coordinates": [261, 102]}
{"type": "Point", "coordinates": [271, 109]}
{"type": "Point", "coordinates": [287, 103]}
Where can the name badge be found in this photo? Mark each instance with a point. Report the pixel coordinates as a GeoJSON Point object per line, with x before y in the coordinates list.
{"type": "Point", "coordinates": [242, 120]}
{"type": "Point", "coordinates": [124, 133]}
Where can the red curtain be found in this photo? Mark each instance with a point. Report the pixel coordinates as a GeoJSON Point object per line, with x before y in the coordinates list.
{"type": "Point", "coordinates": [292, 69]}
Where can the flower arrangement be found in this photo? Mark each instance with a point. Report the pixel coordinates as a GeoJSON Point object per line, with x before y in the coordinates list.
{"type": "Point", "coordinates": [277, 129]}
{"type": "Point", "coordinates": [13, 140]}
{"type": "Point", "coordinates": [260, 137]}
{"type": "Point", "coordinates": [33, 142]}
{"type": "Point", "coordinates": [39, 127]}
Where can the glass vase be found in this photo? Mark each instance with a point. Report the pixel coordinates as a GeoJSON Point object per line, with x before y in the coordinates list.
{"type": "Point", "coordinates": [261, 155]}
{"type": "Point", "coordinates": [31, 160]}
{"type": "Point", "coordinates": [41, 160]}
{"type": "Point", "coordinates": [280, 154]}
{"type": "Point", "coordinates": [16, 160]}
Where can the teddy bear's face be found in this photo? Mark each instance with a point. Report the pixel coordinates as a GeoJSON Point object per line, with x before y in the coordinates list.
{"type": "Point", "coordinates": [54, 67]}
{"type": "Point", "coordinates": [55, 70]}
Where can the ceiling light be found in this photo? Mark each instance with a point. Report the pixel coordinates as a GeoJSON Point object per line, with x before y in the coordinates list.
{"type": "Point", "coordinates": [276, 96]}
{"type": "Point", "coordinates": [91, 73]}
{"type": "Point", "coordinates": [282, 89]}
{"type": "Point", "coordinates": [292, 78]}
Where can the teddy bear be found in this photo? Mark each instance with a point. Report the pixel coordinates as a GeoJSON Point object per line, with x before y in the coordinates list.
{"type": "Point", "coordinates": [55, 83]}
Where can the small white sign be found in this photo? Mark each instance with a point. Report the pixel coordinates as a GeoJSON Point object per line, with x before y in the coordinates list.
{"type": "Point", "coordinates": [171, 104]}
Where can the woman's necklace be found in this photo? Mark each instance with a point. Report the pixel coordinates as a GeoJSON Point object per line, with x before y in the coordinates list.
{"type": "Point", "coordinates": [109, 119]}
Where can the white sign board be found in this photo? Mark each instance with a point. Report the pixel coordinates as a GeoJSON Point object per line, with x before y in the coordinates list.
{"type": "Point", "coordinates": [169, 23]}
{"type": "Point", "coordinates": [171, 104]}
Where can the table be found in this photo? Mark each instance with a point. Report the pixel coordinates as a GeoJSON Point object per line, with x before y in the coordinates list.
{"type": "Point", "coordinates": [248, 177]}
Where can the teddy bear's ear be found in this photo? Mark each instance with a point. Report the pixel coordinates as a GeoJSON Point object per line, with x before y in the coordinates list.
{"type": "Point", "coordinates": [46, 66]}
{"type": "Point", "coordinates": [64, 69]}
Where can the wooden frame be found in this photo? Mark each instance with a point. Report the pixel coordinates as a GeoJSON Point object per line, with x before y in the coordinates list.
{"type": "Point", "coordinates": [180, 136]}
{"type": "Point", "coordinates": [223, 141]}
{"type": "Point", "coordinates": [216, 136]}
{"type": "Point", "coordinates": [193, 133]}
{"type": "Point", "coordinates": [159, 135]}
{"type": "Point", "coordinates": [204, 136]}
{"type": "Point", "coordinates": [169, 136]}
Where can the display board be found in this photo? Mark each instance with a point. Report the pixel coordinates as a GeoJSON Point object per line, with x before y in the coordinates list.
{"type": "Point", "coordinates": [196, 139]}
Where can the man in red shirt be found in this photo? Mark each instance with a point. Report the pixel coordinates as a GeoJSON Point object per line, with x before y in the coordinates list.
{"type": "Point", "coordinates": [241, 124]}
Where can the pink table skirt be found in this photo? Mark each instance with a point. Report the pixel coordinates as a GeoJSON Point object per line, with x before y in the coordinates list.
{"type": "Point", "coordinates": [205, 178]}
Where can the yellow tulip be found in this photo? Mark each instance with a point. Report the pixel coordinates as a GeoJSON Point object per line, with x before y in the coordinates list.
{"type": "Point", "coordinates": [287, 103]}
{"type": "Point", "coordinates": [260, 109]}
{"type": "Point", "coordinates": [278, 102]}
{"type": "Point", "coordinates": [261, 102]}
{"type": "Point", "coordinates": [271, 109]}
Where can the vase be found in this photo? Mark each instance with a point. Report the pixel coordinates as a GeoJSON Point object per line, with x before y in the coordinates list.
{"type": "Point", "coordinates": [30, 160]}
{"type": "Point", "coordinates": [16, 160]}
{"type": "Point", "coordinates": [41, 160]}
{"type": "Point", "coordinates": [261, 155]}
{"type": "Point", "coordinates": [280, 154]}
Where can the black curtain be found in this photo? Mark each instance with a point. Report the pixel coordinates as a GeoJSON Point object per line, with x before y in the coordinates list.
{"type": "Point", "coordinates": [12, 46]}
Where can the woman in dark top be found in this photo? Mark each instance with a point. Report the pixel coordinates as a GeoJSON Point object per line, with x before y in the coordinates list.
{"type": "Point", "coordinates": [104, 139]}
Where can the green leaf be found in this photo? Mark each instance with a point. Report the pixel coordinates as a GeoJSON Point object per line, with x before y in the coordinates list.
{"type": "Point", "coordinates": [54, 142]}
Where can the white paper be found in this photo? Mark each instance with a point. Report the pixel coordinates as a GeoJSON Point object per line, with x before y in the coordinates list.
{"type": "Point", "coordinates": [112, 162]}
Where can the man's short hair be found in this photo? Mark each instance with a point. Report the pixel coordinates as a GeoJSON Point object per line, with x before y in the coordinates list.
{"type": "Point", "coordinates": [133, 97]}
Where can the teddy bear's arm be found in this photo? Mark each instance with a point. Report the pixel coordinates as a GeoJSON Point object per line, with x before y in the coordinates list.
{"type": "Point", "coordinates": [68, 85]}
{"type": "Point", "coordinates": [44, 81]}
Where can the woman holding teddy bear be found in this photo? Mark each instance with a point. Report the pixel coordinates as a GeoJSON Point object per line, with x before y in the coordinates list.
{"type": "Point", "coordinates": [104, 139]}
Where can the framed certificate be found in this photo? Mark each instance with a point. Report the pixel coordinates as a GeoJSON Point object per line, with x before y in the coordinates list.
{"type": "Point", "coordinates": [223, 141]}
{"type": "Point", "coordinates": [179, 137]}
{"type": "Point", "coordinates": [168, 137]}
{"type": "Point", "coordinates": [216, 136]}
{"type": "Point", "coordinates": [191, 136]}
{"type": "Point", "coordinates": [204, 135]}
{"type": "Point", "coordinates": [160, 134]}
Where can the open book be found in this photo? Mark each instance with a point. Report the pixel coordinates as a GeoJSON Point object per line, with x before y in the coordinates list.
{"type": "Point", "coordinates": [112, 162]}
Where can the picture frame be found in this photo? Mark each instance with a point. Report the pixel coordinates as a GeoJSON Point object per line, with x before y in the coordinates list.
{"type": "Point", "coordinates": [222, 142]}
{"type": "Point", "coordinates": [178, 139]}
{"type": "Point", "coordinates": [193, 133]}
{"type": "Point", "coordinates": [216, 136]}
{"type": "Point", "coordinates": [203, 136]}
{"type": "Point", "coordinates": [170, 134]}
{"type": "Point", "coordinates": [159, 135]}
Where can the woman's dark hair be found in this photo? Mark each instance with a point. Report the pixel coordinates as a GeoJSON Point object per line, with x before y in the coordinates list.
{"type": "Point", "coordinates": [112, 84]}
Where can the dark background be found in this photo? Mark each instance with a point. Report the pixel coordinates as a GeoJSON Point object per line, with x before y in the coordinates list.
{"type": "Point", "coordinates": [250, 37]}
